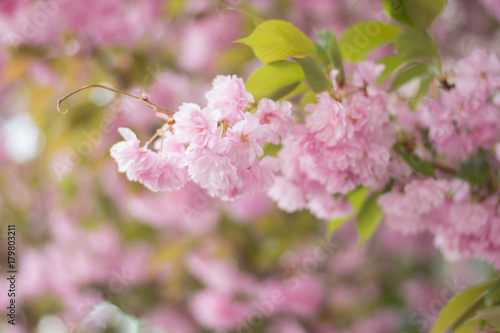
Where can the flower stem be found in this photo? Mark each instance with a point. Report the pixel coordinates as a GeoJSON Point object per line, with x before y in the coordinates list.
{"type": "Point", "coordinates": [143, 98]}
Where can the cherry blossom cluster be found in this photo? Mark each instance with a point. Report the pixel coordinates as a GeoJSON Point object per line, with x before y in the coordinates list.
{"type": "Point", "coordinates": [462, 226]}
{"type": "Point", "coordinates": [465, 116]}
{"type": "Point", "coordinates": [463, 120]}
{"type": "Point", "coordinates": [344, 142]}
{"type": "Point", "coordinates": [218, 147]}
{"type": "Point", "coordinates": [338, 143]}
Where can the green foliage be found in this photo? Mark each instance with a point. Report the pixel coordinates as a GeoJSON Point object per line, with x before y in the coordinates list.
{"type": "Point", "coordinates": [322, 54]}
{"type": "Point", "coordinates": [331, 44]}
{"type": "Point", "coordinates": [396, 10]}
{"type": "Point", "coordinates": [391, 64]}
{"type": "Point", "coordinates": [357, 198]}
{"type": "Point", "coordinates": [308, 98]}
{"type": "Point", "coordinates": [359, 40]}
{"type": "Point", "coordinates": [423, 12]}
{"type": "Point", "coordinates": [493, 295]}
{"type": "Point", "coordinates": [275, 80]}
{"type": "Point", "coordinates": [416, 13]}
{"type": "Point", "coordinates": [410, 73]}
{"type": "Point", "coordinates": [460, 308]}
{"type": "Point", "coordinates": [315, 75]}
{"type": "Point", "coordinates": [369, 218]}
{"type": "Point", "coordinates": [425, 82]}
{"type": "Point", "coordinates": [278, 40]}
{"type": "Point", "coordinates": [489, 315]}
{"type": "Point", "coordinates": [417, 164]}
{"type": "Point", "coordinates": [425, 73]}
{"type": "Point", "coordinates": [416, 45]}
{"type": "Point", "coordinates": [418, 58]}
{"type": "Point", "coordinates": [476, 170]}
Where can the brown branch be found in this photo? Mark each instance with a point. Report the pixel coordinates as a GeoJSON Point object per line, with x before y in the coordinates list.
{"type": "Point", "coordinates": [144, 99]}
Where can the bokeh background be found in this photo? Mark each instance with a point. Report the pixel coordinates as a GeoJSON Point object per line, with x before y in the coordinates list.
{"type": "Point", "coordinates": [96, 253]}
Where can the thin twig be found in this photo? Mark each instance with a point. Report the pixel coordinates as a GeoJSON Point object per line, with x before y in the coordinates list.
{"type": "Point", "coordinates": [143, 99]}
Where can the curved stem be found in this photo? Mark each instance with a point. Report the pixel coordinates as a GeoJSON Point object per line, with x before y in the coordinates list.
{"type": "Point", "coordinates": [143, 99]}
{"type": "Point", "coordinates": [444, 168]}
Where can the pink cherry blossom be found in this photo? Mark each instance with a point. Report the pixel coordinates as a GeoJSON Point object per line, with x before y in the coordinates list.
{"type": "Point", "coordinates": [329, 120]}
{"type": "Point", "coordinates": [478, 74]}
{"type": "Point", "coordinates": [196, 126]}
{"type": "Point", "coordinates": [213, 172]}
{"type": "Point", "coordinates": [243, 141]}
{"type": "Point", "coordinates": [277, 115]}
{"type": "Point", "coordinates": [229, 97]}
{"type": "Point", "coordinates": [157, 172]}
{"type": "Point", "coordinates": [288, 196]}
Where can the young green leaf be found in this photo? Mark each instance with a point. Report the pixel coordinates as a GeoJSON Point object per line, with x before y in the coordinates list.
{"type": "Point", "coordinates": [415, 44]}
{"type": "Point", "coordinates": [276, 79]}
{"type": "Point", "coordinates": [413, 72]}
{"type": "Point", "coordinates": [391, 64]}
{"type": "Point", "coordinates": [368, 218]}
{"type": "Point", "coordinates": [289, 91]}
{"type": "Point", "coordinates": [458, 307]}
{"type": "Point", "coordinates": [493, 294]}
{"type": "Point", "coordinates": [356, 197]}
{"type": "Point", "coordinates": [308, 98]}
{"type": "Point", "coordinates": [396, 10]}
{"type": "Point", "coordinates": [315, 75]}
{"type": "Point", "coordinates": [416, 163]}
{"type": "Point", "coordinates": [278, 40]}
{"type": "Point", "coordinates": [362, 38]}
{"type": "Point", "coordinates": [336, 57]}
{"type": "Point", "coordinates": [423, 12]}
{"type": "Point", "coordinates": [322, 54]}
{"type": "Point", "coordinates": [326, 37]}
{"type": "Point", "coordinates": [476, 170]}
{"type": "Point", "coordinates": [468, 327]}
{"type": "Point", "coordinates": [425, 82]}
{"type": "Point", "coordinates": [416, 13]}
{"type": "Point", "coordinates": [490, 315]}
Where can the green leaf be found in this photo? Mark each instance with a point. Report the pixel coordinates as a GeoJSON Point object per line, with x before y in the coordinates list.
{"type": "Point", "coordinates": [329, 42]}
{"type": "Point", "coordinates": [289, 91]}
{"type": "Point", "coordinates": [468, 327]}
{"type": "Point", "coordinates": [490, 315]}
{"type": "Point", "coordinates": [416, 13]}
{"type": "Point", "coordinates": [396, 10]}
{"type": "Point", "coordinates": [308, 98]}
{"type": "Point", "coordinates": [413, 44]}
{"type": "Point", "coordinates": [276, 79]}
{"type": "Point", "coordinates": [458, 307]}
{"type": "Point", "coordinates": [476, 170]}
{"type": "Point", "coordinates": [356, 197]}
{"type": "Point", "coordinates": [278, 40]}
{"type": "Point", "coordinates": [391, 64]}
{"type": "Point", "coordinates": [410, 73]}
{"type": "Point", "coordinates": [336, 58]}
{"type": "Point", "coordinates": [326, 37]}
{"type": "Point", "coordinates": [423, 12]}
{"type": "Point", "coordinates": [359, 40]}
{"type": "Point", "coordinates": [425, 82]}
{"type": "Point", "coordinates": [416, 163]}
{"type": "Point", "coordinates": [368, 218]}
{"type": "Point", "coordinates": [315, 75]}
{"type": "Point", "coordinates": [271, 149]}
{"type": "Point", "coordinates": [322, 54]}
{"type": "Point", "coordinates": [493, 294]}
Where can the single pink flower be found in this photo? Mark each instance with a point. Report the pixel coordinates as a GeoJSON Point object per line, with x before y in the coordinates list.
{"type": "Point", "coordinates": [229, 97]}
{"type": "Point", "coordinates": [329, 120]}
{"type": "Point", "coordinates": [277, 115]}
{"type": "Point", "coordinates": [196, 126]}
{"type": "Point", "coordinates": [213, 172]}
